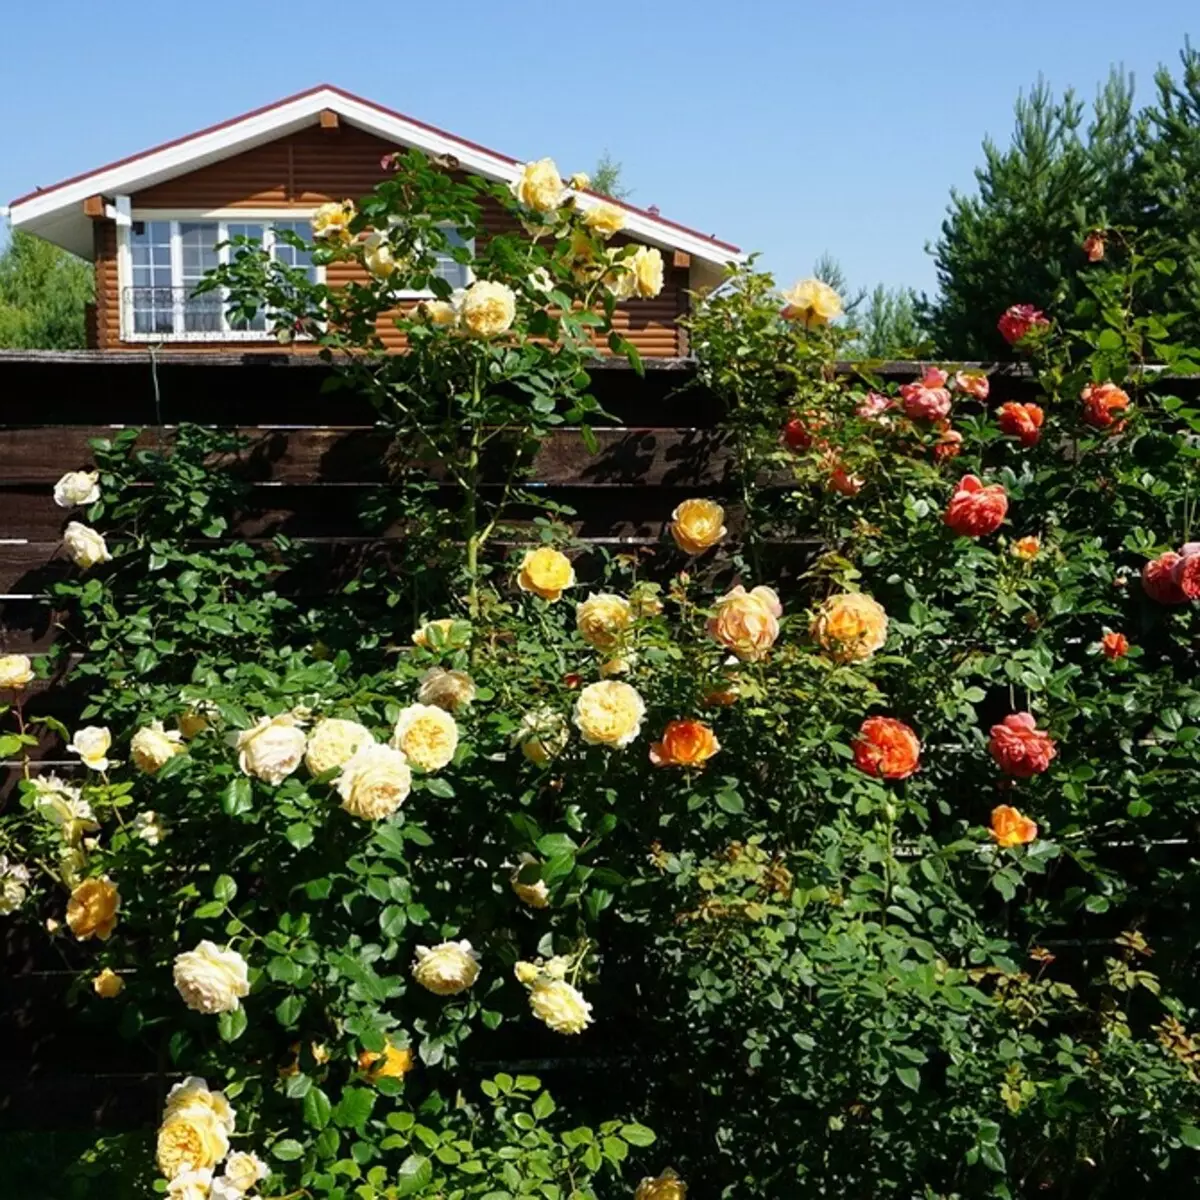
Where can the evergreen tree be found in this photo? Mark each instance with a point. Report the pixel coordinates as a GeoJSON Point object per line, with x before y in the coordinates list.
{"type": "Point", "coordinates": [607, 178]}
{"type": "Point", "coordinates": [43, 291]}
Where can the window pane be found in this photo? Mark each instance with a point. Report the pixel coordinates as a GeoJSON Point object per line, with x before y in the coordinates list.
{"type": "Point", "coordinates": [198, 255]}
{"type": "Point", "coordinates": [456, 274]}
{"type": "Point", "coordinates": [150, 298]}
{"type": "Point", "coordinates": [289, 255]}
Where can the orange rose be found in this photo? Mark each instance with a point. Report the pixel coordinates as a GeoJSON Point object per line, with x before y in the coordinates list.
{"type": "Point", "coordinates": [949, 444]}
{"type": "Point", "coordinates": [1159, 579]}
{"type": "Point", "coordinates": [698, 525]}
{"type": "Point", "coordinates": [1022, 421]}
{"type": "Point", "coordinates": [394, 1063]}
{"type": "Point", "coordinates": [974, 383]}
{"type": "Point", "coordinates": [684, 744]}
{"type": "Point", "coordinates": [1114, 645]}
{"type": "Point", "coordinates": [746, 623]}
{"type": "Point", "coordinates": [1093, 246]}
{"type": "Point", "coordinates": [1010, 827]}
{"type": "Point", "coordinates": [1027, 548]}
{"type": "Point", "coordinates": [1101, 401]}
{"type": "Point", "coordinates": [850, 627]}
{"type": "Point", "coordinates": [974, 509]}
{"type": "Point", "coordinates": [1019, 747]}
{"type": "Point", "coordinates": [886, 748]}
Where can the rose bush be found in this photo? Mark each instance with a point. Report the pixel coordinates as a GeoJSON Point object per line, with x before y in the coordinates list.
{"type": "Point", "coordinates": [837, 857]}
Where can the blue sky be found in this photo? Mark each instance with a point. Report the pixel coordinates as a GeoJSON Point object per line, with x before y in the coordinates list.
{"type": "Point", "coordinates": [788, 127]}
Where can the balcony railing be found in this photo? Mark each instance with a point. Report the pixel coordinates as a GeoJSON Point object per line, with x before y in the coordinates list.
{"type": "Point", "coordinates": [176, 314]}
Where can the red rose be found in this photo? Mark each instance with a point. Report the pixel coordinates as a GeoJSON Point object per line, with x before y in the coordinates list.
{"type": "Point", "coordinates": [800, 436]}
{"type": "Point", "coordinates": [976, 510]}
{"type": "Point", "coordinates": [886, 748]}
{"type": "Point", "coordinates": [929, 399]}
{"type": "Point", "coordinates": [1022, 421]}
{"type": "Point", "coordinates": [949, 443]}
{"type": "Point", "coordinates": [1019, 320]}
{"type": "Point", "coordinates": [1100, 402]}
{"type": "Point", "coordinates": [1114, 645]}
{"type": "Point", "coordinates": [1019, 747]}
{"type": "Point", "coordinates": [1159, 582]}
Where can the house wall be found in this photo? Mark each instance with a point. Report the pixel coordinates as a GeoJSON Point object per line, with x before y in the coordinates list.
{"type": "Point", "coordinates": [308, 168]}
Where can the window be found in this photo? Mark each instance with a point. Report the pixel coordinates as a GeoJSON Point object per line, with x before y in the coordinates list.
{"type": "Point", "coordinates": [167, 261]}
{"type": "Point", "coordinates": [456, 274]}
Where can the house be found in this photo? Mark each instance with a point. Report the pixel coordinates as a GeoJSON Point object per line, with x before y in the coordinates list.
{"type": "Point", "coordinates": [152, 223]}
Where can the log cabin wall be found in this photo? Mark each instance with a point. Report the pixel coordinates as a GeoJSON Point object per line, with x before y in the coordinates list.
{"type": "Point", "coordinates": [300, 172]}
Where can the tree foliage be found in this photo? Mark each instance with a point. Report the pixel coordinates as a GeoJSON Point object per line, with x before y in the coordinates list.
{"type": "Point", "coordinates": [43, 292]}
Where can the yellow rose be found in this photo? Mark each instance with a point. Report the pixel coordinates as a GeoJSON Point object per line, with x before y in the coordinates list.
{"type": "Point", "coordinates": [92, 909]}
{"type": "Point", "coordinates": [77, 488]}
{"type": "Point", "coordinates": [813, 302]}
{"type": "Point", "coordinates": [85, 547]}
{"type": "Point", "coordinates": [488, 308]}
{"type": "Point", "coordinates": [609, 713]}
{"type": "Point", "coordinates": [153, 747]}
{"type": "Point", "coordinates": [536, 894]}
{"type": "Point", "coordinates": [243, 1170]}
{"type": "Point", "coordinates": [439, 313]}
{"type": "Point", "coordinates": [375, 782]}
{"type": "Point", "coordinates": [193, 1093]}
{"type": "Point", "coordinates": [602, 618]}
{"type": "Point", "coordinates": [526, 972]}
{"type": "Point", "coordinates": [108, 984]}
{"type": "Point", "coordinates": [668, 1186]}
{"type": "Point", "coordinates": [542, 735]}
{"type": "Point", "coordinates": [850, 627]}
{"type": "Point", "coordinates": [450, 690]}
{"type": "Point", "coordinates": [442, 633]}
{"type": "Point", "coordinates": [580, 180]}
{"type": "Point", "coordinates": [447, 969]}
{"type": "Point", "coordinates": [191, 1185]}
{"type": "Point", "coordinates": [539, 186]}
{"type": "Point", "coordinates": [15, 671]}
{"type": "Point", "coordinates": [746, 623]}
{"type": "Point", "coordinates": [211, 980]}
{"type": "Point", "coordinates": [546, 572]}
{"type": "Point", "coordinates": [331, 222]}
{"type": "Point", "coordinates": [333, 742]}
{"type": "Point", "coordinates": [191, 1138]}
{"type": "Point", "coordinates": [605, 219]}
{"type": "Point", "coordinates": [560, 1006]}
{"type": "Point", "coordinates": [394, 1063]}
{"type": "Point", "coordinates": [647, 269]}
{"type": "Point", "coordinates": [91, 744]}
{"type": "Point", "coordinates": [63, 805]}
{"type": "Point", "coordinates": [193, 722]}
{"type": "Point", "coordinates": [273, 749]}
{"type": "Point", "coordinates": [698, 525]}
{"type": "Point", "coordinates": [427, 735]}
{"type": "Point", "coordinates": [378, 257]}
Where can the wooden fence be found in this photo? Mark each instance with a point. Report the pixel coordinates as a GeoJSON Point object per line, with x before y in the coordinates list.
{"type": "Point", "coordinates": [314, 455]}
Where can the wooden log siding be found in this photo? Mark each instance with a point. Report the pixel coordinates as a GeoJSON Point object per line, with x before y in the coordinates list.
{"type": "Point", "coordinates": [311, 167]}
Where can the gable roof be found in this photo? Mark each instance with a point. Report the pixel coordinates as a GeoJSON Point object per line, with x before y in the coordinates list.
{"type": "Point", "coordinates": [56, 213]}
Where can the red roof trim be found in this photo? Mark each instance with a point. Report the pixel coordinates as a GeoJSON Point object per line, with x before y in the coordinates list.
{"type": "Point", "coordinates": [388, 112]}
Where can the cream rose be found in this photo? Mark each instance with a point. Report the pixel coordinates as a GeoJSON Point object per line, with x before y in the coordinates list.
{"type": "Point", "coordinates": [152, 747]}
{"type": "Point", "coordinates": [331, 222]}
{"type": "Point", "coordinates": [149, 827]}
{"type": "Point", "coordinates": [192, 1185]}
{"type": "Point", "coordinates": [91, 744]}
{"type": "Point", "coordinates": [62, 804]}
{"type": "Point", "coordinates": [539, 186]}
{"type": "Point", "coordinates": [602, 618]}
{"type": "Point", "coordinates": [812, 302]}
{"type": "Point", "coordinates": [605, 219]}
{"type": "Point", "coordinates": [546, 572]}
{"type": "Point", "coordinates": [646, 266]}
{"type": "Point", "coordinates": [195, 1129]}
{"type": "Point", "coordinates": [242, 1171]}
{"type": "Point", "coordinates": [609, 713]}
{"type": "Point", "coordinates": [447, 969]}
{"type": "Point", "coordinates": [14, 883]}
{"type": "Point", "coordinates": [77, 488]}
{"type": "Point", "coordinates": [746, 623]}
{"type": "Point", "coordinates": [488, 308]}
{"type": "Point", "coordinates": [450, 690]}
{"type": "Point", "coordinates": [375, 782]}
{"type": "Point", "coordinates": [439, 313]}
{"type": "Point", "coordinates": [378, 257]}
{"type": "Point", "coordinates": [273, 749]}
{"type": "Point", "coordinates": [194, 1093]}
{"type": "Point", "coordinates": [85, 547]}
{"type": "Point", "coordinates": [560, 1005]}
{"type": "Point", "coordinates": [427, 735]}
{"type": "Point", "coordinates": [535, 894]}
{"type": "Point", "coordinates": [211, 980]}
{"type": "Point", "coordinates": [698, 525]}
{"type": "Point", "coordinates": [333, 742]}
{"type": "Point", "coordinates": [542, 735]}
{"type": "Point", "coordinates": [15, 671]}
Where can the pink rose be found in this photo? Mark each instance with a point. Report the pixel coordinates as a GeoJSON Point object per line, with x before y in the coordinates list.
{"type": "Point", "coordinates": [929, 399]}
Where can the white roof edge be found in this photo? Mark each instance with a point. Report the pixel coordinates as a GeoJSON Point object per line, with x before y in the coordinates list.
{"type": "Point", "coordinates": [223, 141]}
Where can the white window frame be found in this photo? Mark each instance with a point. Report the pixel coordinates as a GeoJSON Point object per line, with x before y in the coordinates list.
{"type": "Point", "coordinates": [222, 218]}
{"type": "Point", "coordinates": [428, 294]}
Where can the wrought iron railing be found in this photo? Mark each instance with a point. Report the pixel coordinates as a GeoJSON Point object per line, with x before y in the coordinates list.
{"type": "Point", "coordinates": [177, 312]}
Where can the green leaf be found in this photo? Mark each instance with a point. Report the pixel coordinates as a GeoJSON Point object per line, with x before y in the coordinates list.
{"type": "Point", "coordinates": [300, 834]}
{"type": "Point", "coordinates": [557, 845]}
{"type": "Point", "coordinates": [637, 1135]}
{"type": "Point", "coordinates": [288, 1150]}
{"type": "Point", "coordinates": [354, 1107]}
{"type": "Point", "coordinates": [224, 889]}
{"type": "Point", "coordinates": [415, 1173]}
{"type": "Point", "coordinates": [441, 788]}
{"type": "Point", "coordinates": [317, 1109]}
{"type": "Point", "coordinates": [236, 798]}
{"type": "Point", "coordinates": [1189, 1135]}
{"type": "Point", "coordinates": [287, 1011]}
{"type": "Point", "coordinates": [392, 921]}
{"type": "Point", "coordinates": [910, 1077]}
{"type": "Point", "coordinates": [231, 1025]}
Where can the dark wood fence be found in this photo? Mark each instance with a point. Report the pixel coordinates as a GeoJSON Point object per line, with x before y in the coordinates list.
{"type": "Point", "coordinates": [313, 457]}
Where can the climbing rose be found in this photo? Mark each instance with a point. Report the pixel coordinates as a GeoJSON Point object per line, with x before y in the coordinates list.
{"type": "Point", "coordinates": [560, 1005]}
{"type": "Point", "coordinates": [272, 749]}
{"type": "Point", "coordinates": [85, 547]}
{"type": "Point", "coordinates": [1010, 827]}
{"type": "Point", "coordinates": [92, 909]}
{"type": "Point", "coordinates": [850, 627]}
{"type": "Point", "coordinates": [1159, 580]}
{"type": "Point", "coordinates": [450, 690]}
{"type": "Point", "coordinates": [646, 270]}
{"type": "Point", "coordinates": [427, 735]}
{"type": "Point", "coordinates": [602, 619]}
{"type": "Point", "coordinates": [332, 221]}
{"type": "Point", "coordinates": [886, 748]}
{"type": "Point", "coordinates": [108, 984]}
{"type": "Point", "coordinates": [840, 480]}
{"type": "Point", "coordinates": [746, 623]}
{"type": "Point", "coordinates": [974, 383]}
{"type": "Point", "coordinates": [1100, 402]}
{"type": "Point", "coordinates": [1019, 747]}
{"type": "Point", "coordinates": [1114, 645]}
{"type": "Point", "coordinates": [796, 435]}
{"type": "Point", "coordinates": [211, 980]}
{"type": "Point", "coordinates": [77, 488]}
{"type": "Point", "coordinates": [446, 969]}
{"type": "Point", "coordinates": [928, 399]}
{"type": "Point", "coordinates": [685, 744]}
{"type": "Point", "coordinates": [1022, 421]}
{"type": "Point", "coordinates": [609, 713]}
{"type": "Point", "coordinates": [374, 782]}
{"type": "Point", "coordinates": [333, 742]}
{"type": "Point", "coordinates": [539, 186]}
{"type": "Point", "coordinates": [698, 525]}
{"type": "Point", "coordinates": [152, 747]}
{"type": "Point", "coordinates": [811, 302]}
{"type": "Point", "coordinates": [1018, 320]}
{"type": "Point", "coordinates": [488, 308]}
{"type": "Point", "coordinates": [604, 219]}
{"type": "Point", "coordinates": [976, 510]}
{"type": "Point", "coordinates": [873, 406]}
{"type": "Point", "coordinates": [15, 671]}
{"type": "Point", "coordinates": [393, 1063]}
{"type": "Point", "coordinates": [546, 572]}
